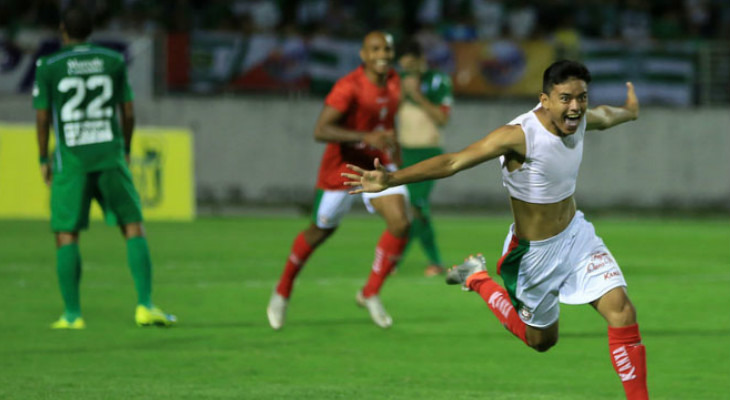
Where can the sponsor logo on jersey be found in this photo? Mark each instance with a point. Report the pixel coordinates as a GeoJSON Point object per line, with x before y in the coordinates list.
{"type": "Point", "coordinates": [85, 67]}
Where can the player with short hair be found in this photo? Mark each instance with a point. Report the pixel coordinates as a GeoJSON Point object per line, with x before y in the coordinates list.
{"type": "Point", "coordinates": [551, 254]}
{"type": "Point", "coordinates": [426, 107]}
{"type": "Point", "coordinates": [357, 124]}
{"type": "Point", "coordinates": [79, 89]}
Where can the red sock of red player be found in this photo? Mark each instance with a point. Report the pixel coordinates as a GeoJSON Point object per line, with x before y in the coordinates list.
{"type": "Point", "coordinates": [499, 302]}
{"type": "Point", "coordinates": [628, 357]}
{"type": "Point", "coordinates": [300, 251]}
{"type": "Point", "coordinates": [387, 254]}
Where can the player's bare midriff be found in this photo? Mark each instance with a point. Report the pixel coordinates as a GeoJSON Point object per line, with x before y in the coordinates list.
{"type": "Point", "coordinates": [541, 221]}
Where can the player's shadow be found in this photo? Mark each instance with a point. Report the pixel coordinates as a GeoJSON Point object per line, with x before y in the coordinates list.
{"type": "Point", "coordinates": [365, 320]}
{"type": "Point", "coordinates": [330, 322]}
{"type": "Point", "coordinates": [158, 344]}
{"type": "Point", "coordinates": [221, 324]}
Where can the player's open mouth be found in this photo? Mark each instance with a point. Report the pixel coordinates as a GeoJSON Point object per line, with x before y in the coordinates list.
{"type": "Point", "coordinates": [572, 121]}
{"type": "Point", "coordinates": [382, 63]}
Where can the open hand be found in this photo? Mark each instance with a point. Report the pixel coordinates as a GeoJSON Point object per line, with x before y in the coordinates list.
{"type": "Point", "coordinates": [47, 173]}
{"type": "Point", "coordinates": [368, 181]}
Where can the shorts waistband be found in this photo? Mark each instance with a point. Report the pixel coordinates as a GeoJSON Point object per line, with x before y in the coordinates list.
{"type": "Point", "coordinates": [563, 234]}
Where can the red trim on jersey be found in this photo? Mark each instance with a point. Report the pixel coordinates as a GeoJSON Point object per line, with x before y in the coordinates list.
{"type": "Point", "coordinates": [366, 107]}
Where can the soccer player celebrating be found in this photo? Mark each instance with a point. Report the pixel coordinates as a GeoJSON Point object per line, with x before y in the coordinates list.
{"type": "Point", "coordinates": [357, 124]}
{"type": "Point", "coordinates": [551, 254]}
{"type": "Point", "coordinates": [427, 100]}
{"type": "Point", "coordinates": [80, 88]}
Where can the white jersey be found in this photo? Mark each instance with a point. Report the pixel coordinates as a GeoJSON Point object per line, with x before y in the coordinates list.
{"type": "Point", "coordinates": [550, 169]}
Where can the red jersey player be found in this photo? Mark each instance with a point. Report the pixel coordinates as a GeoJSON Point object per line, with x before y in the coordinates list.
{"type": "Point", "coordinates": [357, 124]}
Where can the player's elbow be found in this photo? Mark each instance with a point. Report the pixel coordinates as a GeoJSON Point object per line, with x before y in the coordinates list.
{"type": "Point", "coordinates": [453, 165]}
{"type": "Point", "coordinates": [319, 134]}
{"type": "Point", "coordinates": [128, 122]}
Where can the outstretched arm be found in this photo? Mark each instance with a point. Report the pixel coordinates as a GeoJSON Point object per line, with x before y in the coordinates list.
{"type": "Point", "coordinates": [504, 140]}
{"type": "Point", "coordinates": [603, 117]}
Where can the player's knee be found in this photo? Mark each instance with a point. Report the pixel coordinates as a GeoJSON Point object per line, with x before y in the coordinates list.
{"type": "Point", "coordinates": [399, 227]}
{"type": "Point", "coordinates": [623, 316]}
{"type": "Point", "coordinates": [542, 344]}
{"type": "Point", "coordinates": [315, 236]}
{"type": "Point", "coordinates": [66, 238]}
{"type": "Point", "coordinates": [131, 230]}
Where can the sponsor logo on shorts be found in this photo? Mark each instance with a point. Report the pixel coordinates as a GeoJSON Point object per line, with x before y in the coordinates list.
{"type": "Point", "coordinates": [323, 220]}
{"type": "Point", "coordinates": [598, 261]}
{"type": "Point", "coordinates": [525, 314]}
{"type": "Point", "coordinates": [611, 274]}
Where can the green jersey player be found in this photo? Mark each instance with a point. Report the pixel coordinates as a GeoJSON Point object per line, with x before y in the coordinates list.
{"type": "Point", "coordinates": [79, 89]}
{"type": "Point", "coordinates": [426, 107]}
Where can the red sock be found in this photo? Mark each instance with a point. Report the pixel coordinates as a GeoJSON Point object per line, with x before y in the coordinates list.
{"type": "Point", "coordinates": [300, 251]}
{"type": "Point", "coordinates": [499, 302]}
{"type": "Point", "coordinates": [387, 255]}
{"type": "Point", "coordinates": [628, 357]}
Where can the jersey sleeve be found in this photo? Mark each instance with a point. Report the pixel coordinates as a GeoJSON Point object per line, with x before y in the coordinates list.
{"type": "Point", "coordinates": [341, 96]}
{"type": "Point", "coordinates": [41, 91]}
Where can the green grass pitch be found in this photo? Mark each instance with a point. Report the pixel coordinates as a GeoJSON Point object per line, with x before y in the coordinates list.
{"type": "Point", "coordinates": [217, 275]}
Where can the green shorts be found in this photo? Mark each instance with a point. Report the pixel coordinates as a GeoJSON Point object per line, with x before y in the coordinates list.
{"type": "Point", "coordinates": [113, 189]}
{"type": "Point", "coordinates": [419, 191]}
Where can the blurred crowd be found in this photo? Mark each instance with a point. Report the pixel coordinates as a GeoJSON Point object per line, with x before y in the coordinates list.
{"type": "Point", "coordinates": [451, 20]}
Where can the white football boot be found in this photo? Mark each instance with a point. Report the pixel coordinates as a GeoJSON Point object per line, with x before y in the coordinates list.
{"type": "Point", "coordinates": [276, 311]}
{"type": "Point", "coordinates": [458, 274]}
{"type": "Point", "coordinates": [375, 308]}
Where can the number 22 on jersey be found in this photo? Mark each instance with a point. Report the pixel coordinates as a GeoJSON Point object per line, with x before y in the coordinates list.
{"type": "Point", "coordinates": [92, 124]}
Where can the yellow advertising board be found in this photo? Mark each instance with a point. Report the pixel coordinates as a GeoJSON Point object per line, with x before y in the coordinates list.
{"type": "Point", "coordinates": [502, 67]}
{"type": "Point", "coordinates": [161, 165]}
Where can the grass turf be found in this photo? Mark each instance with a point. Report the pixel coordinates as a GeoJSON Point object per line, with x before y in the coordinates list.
{"type": "Point", "coordinates": [217, 275]}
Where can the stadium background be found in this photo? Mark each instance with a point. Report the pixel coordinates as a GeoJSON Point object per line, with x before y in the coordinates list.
{"type": "Point", "coordinates": [245, 79]}
{"type": "Point", "coordinates": [230, 70]}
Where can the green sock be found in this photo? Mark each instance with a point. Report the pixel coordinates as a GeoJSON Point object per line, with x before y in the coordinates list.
{"type": "Point", "coordinates": [414, 233]}
{"type": "Point", "coordinates": [428, 241]}
{"type": "Point", "coordinates": [140, 263]}
{"type": "Point", "coordinates": [68, 268]}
